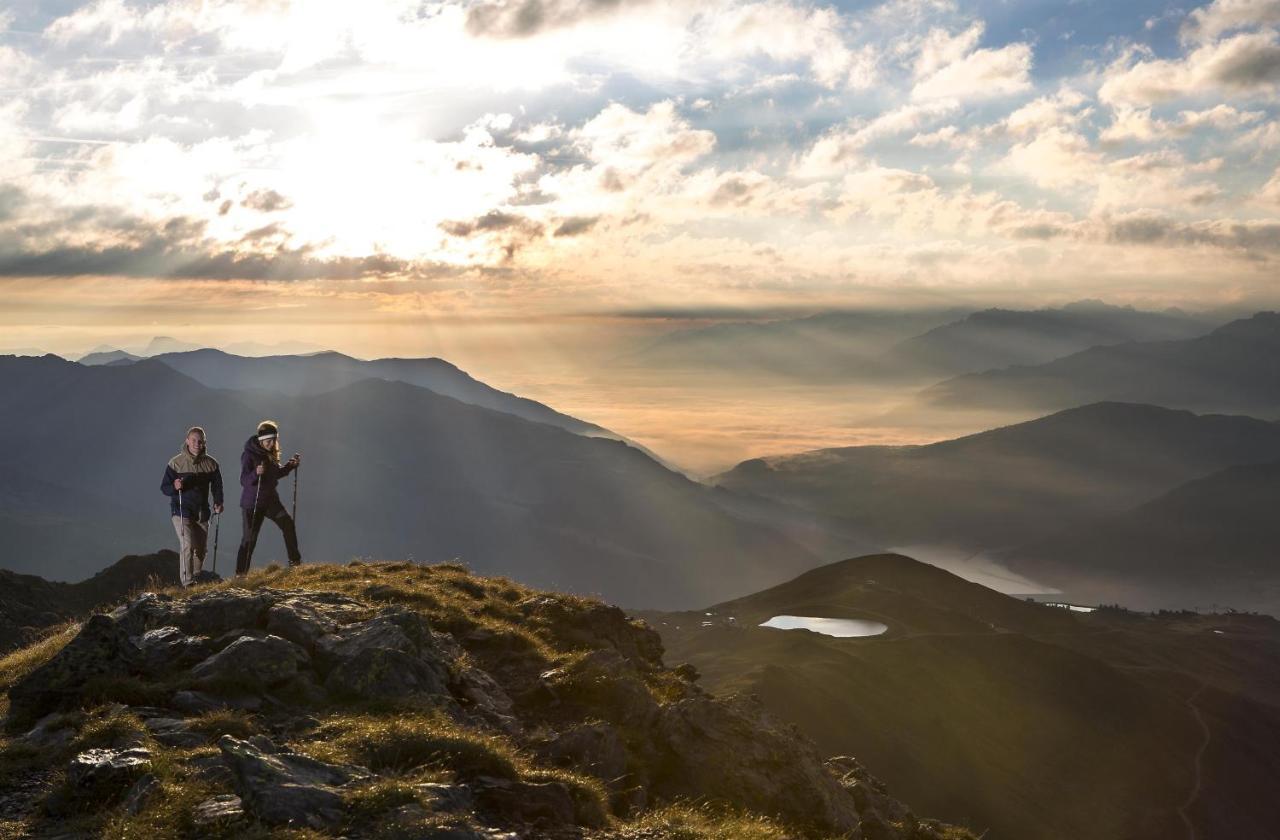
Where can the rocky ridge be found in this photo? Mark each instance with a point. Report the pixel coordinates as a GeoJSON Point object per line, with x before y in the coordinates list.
{"type": "Point", "coordinates": [396, 700]}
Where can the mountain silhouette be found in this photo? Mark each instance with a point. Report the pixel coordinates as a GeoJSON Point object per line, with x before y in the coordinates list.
{"type": "Point", "coordinates": [29, 603]}
{"type": "Point", "coordinates": [997, 338]}
{"type": "Point", "coordinates": [1015, 484]}
{"type": "Point", "coordinates": [1214, 540]}
{"type": "Point", "coordinates": [391, 469]}
{"type": "Point", "coordinates": [1232, 369]}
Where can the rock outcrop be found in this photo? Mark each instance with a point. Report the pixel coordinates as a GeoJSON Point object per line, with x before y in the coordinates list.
{"type": "Point", "coordinates": [509, 713]}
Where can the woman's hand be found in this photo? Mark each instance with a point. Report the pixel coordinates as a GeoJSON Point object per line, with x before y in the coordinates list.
{"type": "Point", "coordinates": [296, 459]}
{"type": "Point", "coordinates": [261, 469]}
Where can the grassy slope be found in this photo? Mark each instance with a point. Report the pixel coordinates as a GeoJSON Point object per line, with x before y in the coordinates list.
{"type": "Point", "coordinates": [1049, 726]}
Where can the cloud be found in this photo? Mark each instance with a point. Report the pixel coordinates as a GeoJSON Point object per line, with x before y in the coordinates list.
{"type": "Point", "coordinates": [1138, 124]}
{"type": "Point", "coordinates": [949, 66]}
{"type": "Point", "coordinates": [1222, 16]}
{"type": "Point", "coordinates": [1244, 64]}
{"type": "Point", "coordinates": [176, 248]}
{"type": "Point", "coordinates": [784, 31]}
{"type": "Point", "coordinates": [575, 226]}
{"type": "Point", "coordinates": [1149, 228]}
{"type": "Point", "coordinates": [265, 201]}
{"type": "Point", "coordinates": [841, 147]}
{"type": "Point", "coordinates": [522, 18]}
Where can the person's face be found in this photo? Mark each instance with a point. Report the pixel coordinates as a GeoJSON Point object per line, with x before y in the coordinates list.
{"type": "Point", "coordinates": [195, 443]}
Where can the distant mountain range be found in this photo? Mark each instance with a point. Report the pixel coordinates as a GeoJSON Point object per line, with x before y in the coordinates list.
{"type": "Point", "coordinates": [105, 353]}
{"type": "Point", "coordinates": [923, 345]}
{"type": "Point", "coordinates": [1018, 720]}
{"type": "Point", "coordinates": [390, 470]}
{"type": "Point", "coordinates": [1214, 540]}
{"type": "Point", "coordinates": [828, 346]}
{"type": "Point", "coordinates": [997, 338]}
{"type": "Point", "coordinates": [1232, 369]}
{"type": "Point", "coordinates": [1011, 485]}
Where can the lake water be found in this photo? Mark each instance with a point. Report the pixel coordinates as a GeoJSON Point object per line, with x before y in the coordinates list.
{"type": "Point", "coordinates": [842, 628]}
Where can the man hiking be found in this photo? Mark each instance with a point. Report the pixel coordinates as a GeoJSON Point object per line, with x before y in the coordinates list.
{"type": "Point", "coordinates": [260, 472]}
{"type": "Point", "coordinates": [187, 480]}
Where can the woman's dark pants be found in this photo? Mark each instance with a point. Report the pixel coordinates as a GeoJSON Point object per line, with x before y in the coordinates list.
{"type": "Point", "coordinates": [274, 511]}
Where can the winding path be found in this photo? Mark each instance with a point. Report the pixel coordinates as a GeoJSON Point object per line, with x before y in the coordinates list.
{"type": "Point", "coordinates": [1198, 776]}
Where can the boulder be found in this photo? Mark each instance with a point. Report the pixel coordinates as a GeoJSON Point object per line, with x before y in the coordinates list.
{"type": "Point", "coordinates": [218, 809]}
{"type": "Point", "coordinates": [101, 649]}
{"type": "Point", "coordinates": [284, 788]}
{"type": "Point", "coordinates": [168, 648]}
{"type": "Point", "coordinates": [252, 664]}
{"type": "Point", "coordinates": [142, 792]}
{"type": "Point", "coordinates": [174, 732]}
{"type": "Point", "coordinates": [304, 617]}
{"type": "Point", "coordinates": [543, 805]}
{"type": "Point", "coordinates": [578, 624]}
{"type": "Point", "coordinates": [591, 748]}
{"type": "Point", "coordinates": [148, 610]}
{"type": "Point", "coordinates": [212, 613]}
{"type": "Point", "coordinates": [51, 732]}
{"type": "Point", "coordinates": [199, 702]}
{"type": "Point", "coordinates": [102, 775]}
{"type": "Point", "coordinates": [735, 752]}
{"type": "Point", "coordinates": [439, 796]}
{"type": "Point", "coordinates": [392, 655]}
{"type": "Point", "coordinates": [601, 684]}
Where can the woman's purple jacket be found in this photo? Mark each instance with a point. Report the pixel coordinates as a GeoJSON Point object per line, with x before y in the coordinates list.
{"type": "Point", "coordinates": [254, 454]}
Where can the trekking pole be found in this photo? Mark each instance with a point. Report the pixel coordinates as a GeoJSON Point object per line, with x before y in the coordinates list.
{"type": "Point", "coordinates": [216, 526]}
{"type": "Point", "coordinates": [295, 493]}
{"type": "Point", "coordinates": [182, 538]}
{"type": "Point", "coordinates": [253, 521]}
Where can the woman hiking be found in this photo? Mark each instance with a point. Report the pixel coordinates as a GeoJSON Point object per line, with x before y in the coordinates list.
{"type": "Point", "coordinates": [260, 472]}
{"type": "Point", "coordinates": [187, 480]}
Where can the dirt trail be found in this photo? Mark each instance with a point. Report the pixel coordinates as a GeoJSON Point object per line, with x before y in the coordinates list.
{"type": "Point", "coordinates": [1197, 776]}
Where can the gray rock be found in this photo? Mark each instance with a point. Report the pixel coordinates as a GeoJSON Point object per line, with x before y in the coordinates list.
{"type": "Point", "coordinates": [106, 774]}
{"type": "Point", "coordinates": [545, 805]}
{"type": "Point", "coordinates": [445, 797]}
{"type": "Point", "coordinates": [373, 674]}
{"type": "Point", "coordinates": [198, 702]}
{"type": "Point", "coordinates": [604, 684]}
{"type": "Point", "coordinates": [305, 617]}
{"type": "Point", "coordinates": [211, 768]}
{"type": "Point", "coordinates": [212, 613]}
{"type": "Point", "coordinates": [51, 732]}
{"type": "Point", "coordinates": [391, 655]}
{"type": "Point", "coordinates": [218, 809]}
{"type": "Point", "coordinates": [251, 664]}
{"type": "Point", "coordinates": [101, 649]}
{"type": "Point", "coordinates": [174, 732]}
{"type": "Point", "coordinates": [168, 648]}
{"type": "Point", "coordinates": [142, 792]}
{"type": "Point", "coordinates": [595, 749]}
{"type": "Point", "coordinates": [735, 752]}
{"type": "Point", "coordinates": [286, 788]}
{"type": "Point", "coordinates": [148, 610]}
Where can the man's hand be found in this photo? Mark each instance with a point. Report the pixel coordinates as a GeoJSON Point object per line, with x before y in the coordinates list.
{"type": "Point", "coordinates": [217, 508]}
{"type": "Point", "coordinates": [261, 469]}
{"type": "Point", "coordinates": [177, 484]}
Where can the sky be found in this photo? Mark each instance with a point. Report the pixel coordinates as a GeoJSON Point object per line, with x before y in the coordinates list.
{"type": "Point", "coordinates": [314, 167]}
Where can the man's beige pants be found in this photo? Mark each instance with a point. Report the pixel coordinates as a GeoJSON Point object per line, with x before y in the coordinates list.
{"type": "Point", "coordinates": [193, 538]}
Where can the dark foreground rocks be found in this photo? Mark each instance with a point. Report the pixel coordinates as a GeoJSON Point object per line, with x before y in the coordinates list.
{"type": "Point", "coordinates": [563, 723]}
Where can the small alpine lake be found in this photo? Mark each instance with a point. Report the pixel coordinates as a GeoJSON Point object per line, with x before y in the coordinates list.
{"type": "Point", "coordinates": [841, 628]}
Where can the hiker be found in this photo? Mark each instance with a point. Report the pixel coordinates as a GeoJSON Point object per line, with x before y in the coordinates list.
{"type": "Point", "coordinates": [187, 480]}
{"type": "Point", "coordinates": [260, 472]}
